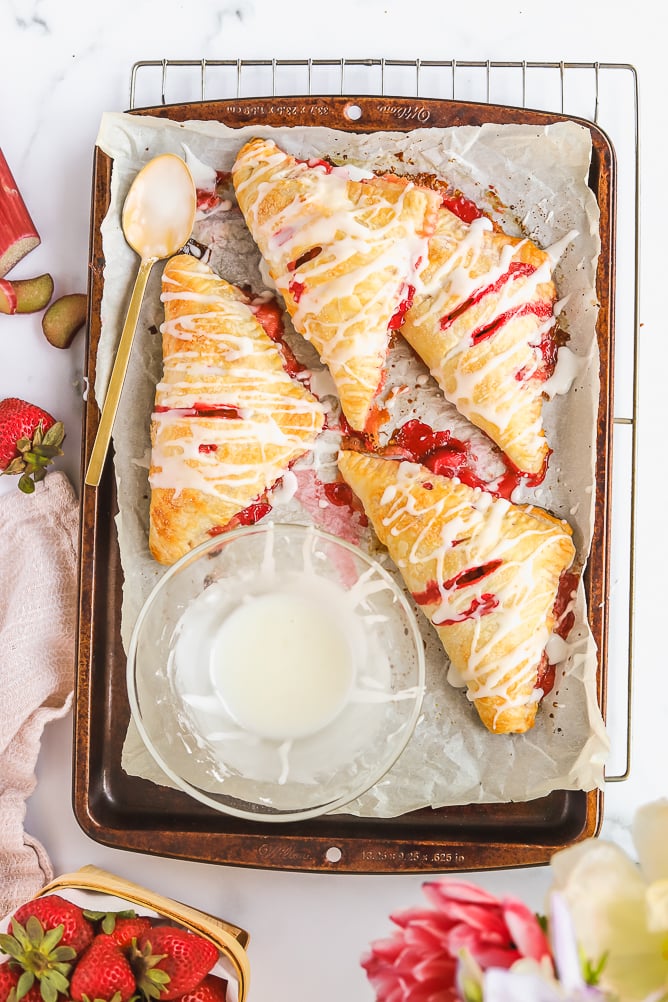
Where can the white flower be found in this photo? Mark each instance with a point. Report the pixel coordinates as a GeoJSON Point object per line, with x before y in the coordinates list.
{"type": "Point", "coordinates": [620, 908]}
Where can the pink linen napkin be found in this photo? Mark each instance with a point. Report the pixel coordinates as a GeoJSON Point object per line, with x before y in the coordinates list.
{"type": "Point", "coordinates": [38, 600]}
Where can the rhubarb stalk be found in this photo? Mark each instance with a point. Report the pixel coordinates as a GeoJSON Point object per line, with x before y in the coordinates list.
{"type": "Point", "coordinates": [17, 230]}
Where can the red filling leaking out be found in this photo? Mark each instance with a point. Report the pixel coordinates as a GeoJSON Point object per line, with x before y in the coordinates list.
{"type": "Point", "coordinates": [546, 675]}
{"type": "Point", "coordinates": [228, 411]}
{"type": "Point", "coordinates": [564, 614]}
{"type": "Point", "coordinates": [480, 605]}
{"type": "Point", "coordinates": [564, 617]}
{"type": "Point", "coordinates": [316, 162]}
{"type": "Point", "coordinates": [296, 290]}
{"type": "Point", "coordinates": [207, 199]}
{"type": "Point", "coordinates": [247, 516]}
{"type": "Point", "coordinates": [517, 269]}
{"type": "Point", "coordinates": [462, 207]}
{"type": "Point", "coordinates": [402, 309]}
{"type": "Point", "coordinates": [341, 495]}
{"type": "Point", "coordinates": [540, 309]}
{"type": "Point", "coordinates": [303, 258]}
{"type": "Point", "coordinates": [547, 348]}
{"type": "Point", "coordinates": [450, 457]}
{"type": "Point", "coordinates": [269, 316]}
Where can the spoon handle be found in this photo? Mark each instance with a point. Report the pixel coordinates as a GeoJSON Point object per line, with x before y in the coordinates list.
{"type": "Point", "coordinates": [113, 395]}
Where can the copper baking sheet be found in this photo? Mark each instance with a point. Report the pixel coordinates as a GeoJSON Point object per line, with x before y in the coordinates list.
{"type": "Point", "coordinates": [130, 813]}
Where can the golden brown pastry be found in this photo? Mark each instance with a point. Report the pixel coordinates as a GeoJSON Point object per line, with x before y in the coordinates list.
{"type": "Point", "coordinates": [483, 322]}
{"type": "Point", "coordinates": [343, 254]}
{"type": "Point", "coordinates": [228, 419]}
{"type": "Point", "coordinates": [484, 571]}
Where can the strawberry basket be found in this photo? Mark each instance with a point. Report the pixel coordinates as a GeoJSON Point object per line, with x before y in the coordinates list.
{"type": "Point", "coordinates": [133, 944]}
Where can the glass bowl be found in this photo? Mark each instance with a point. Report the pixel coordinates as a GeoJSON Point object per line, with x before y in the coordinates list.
{"type": "Point", "coordinates": [276, 672]}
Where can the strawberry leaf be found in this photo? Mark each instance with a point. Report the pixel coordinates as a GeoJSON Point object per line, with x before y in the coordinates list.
{"type": "Point", "coordinates": [54, 437]}
{"type": "Point", "coordinates": [58, 981]}
{"type": "Point", "coordinates": [24, 984]}
{"type": "Point", "coordinates": [26, 484]}
{"type": "Point", "coordinates": [52, 938]}
{"type": "Point", "coordinates": [9, 944]}
{"type": "Point", "coordinates": [48, 991]}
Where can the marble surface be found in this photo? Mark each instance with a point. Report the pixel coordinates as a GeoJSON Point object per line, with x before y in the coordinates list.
{"type": "Point", "coordinates": [63, 64]}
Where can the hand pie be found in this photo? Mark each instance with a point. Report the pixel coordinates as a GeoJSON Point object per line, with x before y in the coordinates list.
{"type": "Point", "coordinates": [482, 321]}
{"type": "Point", "coordinates": [484, 571]}
{"type": "Point", "coordinates": [343, 254]}
{"type": "Point", "coordinates": [228, 419]}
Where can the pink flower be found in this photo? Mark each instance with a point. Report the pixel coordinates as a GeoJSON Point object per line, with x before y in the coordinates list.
{"type": "Point", "coordinates": [419, 962]}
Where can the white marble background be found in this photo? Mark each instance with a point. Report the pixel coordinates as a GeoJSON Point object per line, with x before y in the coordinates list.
{"type": "Point", "coordinates": [61, 64]}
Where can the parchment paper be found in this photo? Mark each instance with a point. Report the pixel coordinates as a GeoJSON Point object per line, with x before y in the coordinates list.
{"type": "Point", "coordinates": [534, 181]}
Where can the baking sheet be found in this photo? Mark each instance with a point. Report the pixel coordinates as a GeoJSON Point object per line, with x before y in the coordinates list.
{"type": "Point", "coordinates": [600, 504]}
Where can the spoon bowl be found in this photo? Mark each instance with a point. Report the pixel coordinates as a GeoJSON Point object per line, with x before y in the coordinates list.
{"type": "Point", "coordinates": [157, 220]}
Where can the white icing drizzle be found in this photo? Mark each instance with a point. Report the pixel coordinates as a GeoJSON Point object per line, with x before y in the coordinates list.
{"type": "Point", "coordinates": [467, 260]}
{"type": "Point", "coordinates": [430, 523]}
{"type": "Point", "coordinates": [370, 247]}
{"type": "Point", "coordinates": [229, 369]}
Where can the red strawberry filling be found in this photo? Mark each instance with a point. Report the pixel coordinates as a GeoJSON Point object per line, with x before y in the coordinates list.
{"type": "Point", "coordinates": [462, 207]}
{"type": "Point", "coordinates": [540, 309]}
{"type": "Point", "coordinates": [516, 270]}
{"type": "Point", "coordinates": [447, 456]}
{"type": "Point", "coordinates": [249, 515]}
{"type": "Point", "coordinates": [198, 409]}
{"type": "Point", "coordinates": [317, 162]}
{"type": "Point", "coordinates": [402, 309]}
{"type": "Point", "coordinates": [480, 605]}
{"type": "Point", "coordinates": [308, 255]}
{"type": "Point", "coordinates": [296, 290]}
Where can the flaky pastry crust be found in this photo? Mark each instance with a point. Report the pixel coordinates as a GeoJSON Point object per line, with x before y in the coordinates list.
{"type": "Point", "coordinates": [343, 254]}
{"type": "Point", "coordinates": [481, 321]}
{"type": "Point", "coordinates": [484, 571]}
{"type": "Point", "coordinates": [228, 419]}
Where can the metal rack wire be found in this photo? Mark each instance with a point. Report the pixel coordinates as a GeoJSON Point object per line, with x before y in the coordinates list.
{"type": "Point", "coordinates": [601, 92]}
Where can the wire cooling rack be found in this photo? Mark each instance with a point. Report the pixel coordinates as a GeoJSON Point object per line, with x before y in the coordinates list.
{"type": "Point", "coordinates": [601, 92]}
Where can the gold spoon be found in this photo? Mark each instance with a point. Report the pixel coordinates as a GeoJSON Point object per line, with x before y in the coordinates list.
{"type": "Point", "coordinates": [158, 216]}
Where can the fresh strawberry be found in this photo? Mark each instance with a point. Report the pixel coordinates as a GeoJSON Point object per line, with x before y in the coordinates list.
{"type": "Point", "coordinates": [210, 989]}
{"type": "Point", "coordinates": [102, 972]}
{"type": "Point", "coordinates": [110, 921]}
{"type": "Point", "coordinates": [40, 949]}
{"type": "Point", "coordinates": [127, 929]}
{"type": "Point", "coordinates": [30, 438]}
{"type": "Point", "coordinates": [9, 985]}
{"type": "Point", "coordinates": [172, 961]}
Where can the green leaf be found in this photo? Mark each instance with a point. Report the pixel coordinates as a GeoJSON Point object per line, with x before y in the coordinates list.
{"type": "Point", "coordinates": [63, 953]}
{"type": "Point", "coordinates": [47, 990]}
{"type": "Point", "coordinates": [23, 443]}
{"type": "Point", "coordinates": [64, 969]}
{"type": "Point", "coordinates": [55, 435]}
{"type": "Point", "coordinates": [52, 938]}
{"type": "Point", "coordinates": [16, 466]}
{"type": "Point", "coordinates": [58, 981]}
{"type": "Point", "coordinates": [9, 944]}
{"type": "Point", "coordinates": [26, 485]}
{"type": "Point", "coordinates": [49, 452]}
{"type": "Point", "coordinates": [24, 984]}
{"type": "Point", "coordinates": [22, 935]}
